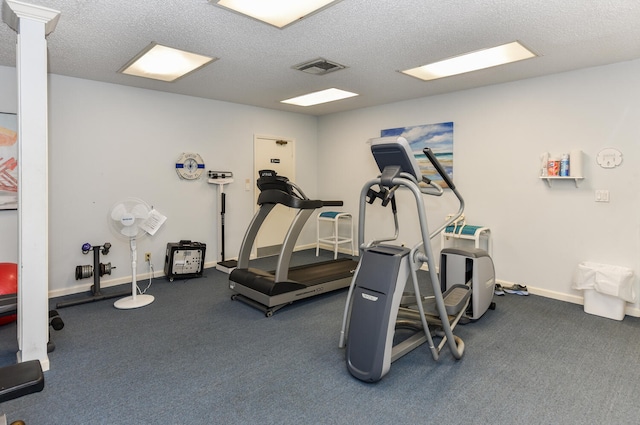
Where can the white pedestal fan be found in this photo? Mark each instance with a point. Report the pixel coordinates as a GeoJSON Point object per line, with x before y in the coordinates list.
{"type": "Point", "coordinates": [131, 218]}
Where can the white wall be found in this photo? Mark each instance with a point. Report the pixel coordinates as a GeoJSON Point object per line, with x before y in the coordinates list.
{"type": "Point", "coordinates": [108, 142]}
{"type": "Point", "coordinates": [540, 234]}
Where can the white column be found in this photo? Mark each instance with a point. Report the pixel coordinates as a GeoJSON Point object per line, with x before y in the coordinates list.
{"type": "Point", "coordinates": [32, 23]}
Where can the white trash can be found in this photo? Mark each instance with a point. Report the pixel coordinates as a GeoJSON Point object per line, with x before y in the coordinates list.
{"type": "Point", "coordinates": [606, 288]}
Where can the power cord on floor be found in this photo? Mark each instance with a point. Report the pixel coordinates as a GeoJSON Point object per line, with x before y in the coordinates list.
{"type": "Point", "coordinates": [150, 279]}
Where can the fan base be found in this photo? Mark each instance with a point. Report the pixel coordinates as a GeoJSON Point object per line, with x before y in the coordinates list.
{"type": "Point", "coordinates": [130, 302]}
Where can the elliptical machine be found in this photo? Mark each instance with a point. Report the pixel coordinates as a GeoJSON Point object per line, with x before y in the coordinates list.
{"type": "Point", "coordinates": [376, 302]}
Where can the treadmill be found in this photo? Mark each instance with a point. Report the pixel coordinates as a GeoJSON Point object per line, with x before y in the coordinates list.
{"type": "Point", "coordinates": [270, 291]}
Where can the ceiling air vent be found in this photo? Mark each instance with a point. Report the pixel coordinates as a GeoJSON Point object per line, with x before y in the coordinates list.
{"type": "Point", "coordinates": [319, 66]}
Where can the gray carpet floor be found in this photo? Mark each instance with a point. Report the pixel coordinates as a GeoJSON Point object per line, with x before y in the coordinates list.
{"type": "Point", "coordinates": [194, 356]}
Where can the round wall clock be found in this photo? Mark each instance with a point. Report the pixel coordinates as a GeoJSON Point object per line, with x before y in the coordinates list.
{"type": "Point", "coordinates": [189, 166]}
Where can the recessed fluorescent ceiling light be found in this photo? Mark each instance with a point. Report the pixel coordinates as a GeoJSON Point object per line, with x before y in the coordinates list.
{"type": "Point", "coordinates": [500, 55]}
{"type": "Point", "coordinates": [164, 63]}
{"type": "Point", "coordinates": [323, 96]}
{"type": "Point", "coordinates": [278, 13]}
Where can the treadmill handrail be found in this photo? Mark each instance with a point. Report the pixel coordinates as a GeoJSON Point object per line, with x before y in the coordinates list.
{"type": "Point", "coordinates": [275, 196]}
{"type": "Point", "coordinates": [332, 203]}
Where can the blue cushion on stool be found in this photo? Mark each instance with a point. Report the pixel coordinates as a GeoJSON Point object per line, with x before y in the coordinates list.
{"type": "Point", "coordinates": [330, 214]}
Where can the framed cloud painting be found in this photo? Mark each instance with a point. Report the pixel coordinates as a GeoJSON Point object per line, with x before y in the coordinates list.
{"type": "Point", "coordinates": [438, 137]}
{"type": "Point", "coordinates": [8, 161]}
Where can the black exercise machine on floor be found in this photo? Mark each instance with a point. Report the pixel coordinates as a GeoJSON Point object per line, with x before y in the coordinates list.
{"type": "Point", "coordinates": [270, 291]}
{"type": "Point", "coordinates": [18, 380]}
{"type": "Point", "coordinates": [9, 306]}
{"type": "Point", "coordinates": [24, 378]}
{"type": "Point", "coordinates": [97, 271]}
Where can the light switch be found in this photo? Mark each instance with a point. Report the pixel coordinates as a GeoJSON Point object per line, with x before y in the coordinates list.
{"type": "Point", "coordinates": [602, 195]}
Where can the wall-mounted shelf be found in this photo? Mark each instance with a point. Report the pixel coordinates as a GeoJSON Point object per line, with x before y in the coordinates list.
{"type": "Point", "coordinates": [549, 179]}
{"type": "Point", "coordinates": [551, 168]}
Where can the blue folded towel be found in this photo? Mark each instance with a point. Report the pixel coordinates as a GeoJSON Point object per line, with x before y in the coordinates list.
{"type": "Point", "coordinates": [463, 230]}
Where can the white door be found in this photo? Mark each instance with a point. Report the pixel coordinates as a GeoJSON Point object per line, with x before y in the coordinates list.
{"type": "Point", "coordinates": [276, 154]}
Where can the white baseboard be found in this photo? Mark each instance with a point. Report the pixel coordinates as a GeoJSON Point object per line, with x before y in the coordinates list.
{"type": "Point", "coordinates": [104, 283]}
{"type": "Point", "coordinates": [327, 247]}
{"type": "Point", "coordinates": [574, 299]}
{"type": "Point", "coordinates": [630, 310]}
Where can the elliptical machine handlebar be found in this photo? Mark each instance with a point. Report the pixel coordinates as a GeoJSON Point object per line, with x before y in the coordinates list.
{"type": "Point", "coordinates": [441, 171]}
{"type": "Point", "coordinates": [433, 188]}
{"type": "Point", "coordinates": [439, 168]}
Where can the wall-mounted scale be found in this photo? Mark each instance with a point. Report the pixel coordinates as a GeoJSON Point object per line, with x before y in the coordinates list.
{"type": "Point", "coordinates": [220, 178]}
{"type": "Point", "coordinates": [190, 166]}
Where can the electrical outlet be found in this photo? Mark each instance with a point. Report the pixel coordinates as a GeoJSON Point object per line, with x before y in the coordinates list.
{"type": "Point", "coordinates": [147, 257]}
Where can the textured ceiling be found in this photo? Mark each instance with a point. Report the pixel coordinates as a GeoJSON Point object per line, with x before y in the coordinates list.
{"type": "Point", "coordinates": [374, 39]}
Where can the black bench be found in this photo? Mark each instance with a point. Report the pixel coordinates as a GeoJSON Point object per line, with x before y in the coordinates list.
{"type": "Point", "coordinates": [24, 378]}
{"type": "Point", "coordinates": [19, 380]}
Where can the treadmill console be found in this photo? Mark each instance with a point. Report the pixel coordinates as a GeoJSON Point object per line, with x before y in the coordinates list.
{"type": "Point", "coordinates": [270, 180]}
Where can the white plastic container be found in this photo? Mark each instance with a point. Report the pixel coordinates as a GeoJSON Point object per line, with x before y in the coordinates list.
{"type": "Point", "coordinates": [603, 305]}
{"type": "Point", "coordinates": [607, 288]}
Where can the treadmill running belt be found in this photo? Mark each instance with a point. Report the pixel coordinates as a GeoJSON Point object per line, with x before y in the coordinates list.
{"type": "Point", "coordinates": [327, 271]}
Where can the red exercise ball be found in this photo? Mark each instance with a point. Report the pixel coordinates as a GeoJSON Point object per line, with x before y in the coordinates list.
{"type": "Point", "coordinates": [8, 285]}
